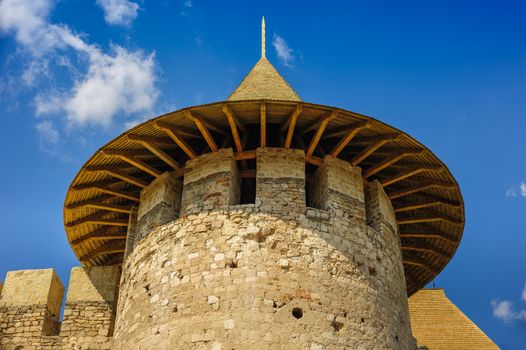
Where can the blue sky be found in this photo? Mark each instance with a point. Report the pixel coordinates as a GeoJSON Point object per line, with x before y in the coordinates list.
{"type": "Point", "coordinates": [75, 73]}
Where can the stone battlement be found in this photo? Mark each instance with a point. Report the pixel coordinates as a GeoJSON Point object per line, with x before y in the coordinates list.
{"type": "Point", "coordinates": [31, 300]}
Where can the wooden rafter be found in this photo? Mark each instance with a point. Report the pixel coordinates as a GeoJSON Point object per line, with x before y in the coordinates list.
{"type": "Point", "coordinates": [234, 124]}
{"type": "Point", "coordinates": [291, 124]}
{"type": "Point", "coordinates": [98, 218]}
{"type": "Point", "coordinates": [313, 160]}
{"type": "Point", "coordinates": [416, 247]}
{"type": "Point", "coordinates": [128, 157]}
{"type": "Point", "coordinates": [389, 161]}
{"type": "Point", "coordinates": [419, 188]}
{"type": "Point", "coordinates": [426, 233]}
{"type": "Point", "coordinates": [263, 124]}
{"type": "Point", "coordinates": [114, 171]}
{"type": "Point", "coordinates": [101, 233]}
{"type": "Point", "coordinates": [106, 248]}
{"type": "Point", "coordinates": [418, 205]}
{"type": "Point", "coordinates": [103, 187]}
{"type": "Point", "coordinates": [173, 131]}
{"type": "Point", "coordinates": [147, 142]}
{"type": "Point", "coordinates": [418, 263]}
{"type": "Point", "coordinates": [377, 142]}
{"type": "Point", "coordinates": [202, 126]}
{"type": "Point", "coordinates": [323, 122]}
{"type": "Point", "coordinates": [97, 204]}
{"type": "Point", "coordinates": [427, 216]}
{"type": "Point", "coordinates": [417, 169]}
{"type": "Point", "coordinates": [349, 135]}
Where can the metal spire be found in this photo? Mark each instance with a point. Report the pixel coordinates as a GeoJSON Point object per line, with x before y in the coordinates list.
{"type": "Point", "coordinates": [263, 53]}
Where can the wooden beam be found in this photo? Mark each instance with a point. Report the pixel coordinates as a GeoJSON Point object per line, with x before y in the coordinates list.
{"type": "Point", "coordinates": [319, 132]}
{"type": "Point", "coordinates": [105, 189]}
{"type": "Point", "coordinates": [416, 205]}
{"type": "Point", "coordinates": [98, 220]}
{"type": "Point", "coordinates": [184, 132]}
{"type": "Point", "coordinates": [247, 173]}
{"type": "Point", "coordinates": [351, 133]}
{"type": "Point", "coordinates": [320, 120]}
{"type": "Point", "coordinates": [106, 248]}
{"type": "Point", "coordinates": [376, 138]}
{"type": "Point", "coordinates": [418, 263]}
{"type": "Point", "coordinates": [417, 169]}
{"type": "Point", "coordinates": [291, 123]}
{"type": "Point", "coordinates": [313, 160]}
{"type": "Point", "coordinates": [263, 123]}
{"type": "Point", "coordinates": [97, 204]}
{"type": "Point", "coordinates": [419, 188]}
{"type": "Point", "coordinates": [113, 171]}
{"type": "Point", "coordinates": [389, 161]}
{"type": "Point", "coordinates": [377, 143]}
{"type": "Point", "coordinates": [159, 141]}
{"type": "Point", "coordinates": [425, 248]}
{"type": "Point", "coordinates": [430, 216]}
{"type": "Point", "coordinates": [426, 234]}
{"type": "Point", "coordinates": [152, 147]}
{"type": "Point", "coordinates": [127, 157]}
{"type": "Point", "coordinates": [101, 233]}
{"type": "Point", "coordinates": [117, 259]}
{"type": "Point", "coordinates": [172, 131]}
{"type": "Point", "coordinates": [245, 155]}
{"type": "Point", "coordinates": [233, 127]}
{"type": "Point", "coordinates": [201, 125]}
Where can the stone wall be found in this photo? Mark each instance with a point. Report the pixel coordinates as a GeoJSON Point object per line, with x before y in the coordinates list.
{"type": "Point", "coordinates": [273, 275]}
{"type": "Point", "coordinates": [30, 306]}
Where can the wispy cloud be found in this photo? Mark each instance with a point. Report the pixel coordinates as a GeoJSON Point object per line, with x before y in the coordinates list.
{"type": "Point", "coordinates": [119, 12]}
{"type": "Point", "coordinates": [517, 191]}
{"type": "Point", "coordinates": [119, 82]}
{"type": "Point", "coordinates": [504, 311]}
{"type": "Point", "coordinates": [49, 136]}
{"type": "Point", "coordinates": [283, 51]}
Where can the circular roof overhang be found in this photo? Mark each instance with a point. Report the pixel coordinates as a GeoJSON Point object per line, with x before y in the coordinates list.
{"type": "Point", "coordinates": [426, 198]}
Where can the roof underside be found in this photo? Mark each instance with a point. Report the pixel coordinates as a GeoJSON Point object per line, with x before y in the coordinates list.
{"type": "Point", "coordinates": [426, 197]}
{"type": "Point", "coordinates": [439, 325]}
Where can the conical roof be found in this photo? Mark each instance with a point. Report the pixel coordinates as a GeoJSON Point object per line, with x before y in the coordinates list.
{"type": "Point", "coordinates": [264, 83]}
{"type": "Point", "coordinates": [438, 324]}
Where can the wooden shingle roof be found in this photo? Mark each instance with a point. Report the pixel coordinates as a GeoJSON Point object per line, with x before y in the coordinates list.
{"type": "Point", "coordinates": [438, 324]}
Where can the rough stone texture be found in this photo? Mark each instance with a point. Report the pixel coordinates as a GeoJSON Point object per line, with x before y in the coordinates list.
{"type": "Point", "coordinates": [160, 203]}
{"type": "Point", "coordinates": [211, 182]}
{"type": "Point", "coordinates": [280, 181]}
{"type": "Point", "coordinates": [380, 212]}
{"type": "Point", "coordinates": [256, 277]}
{"type": "Point", "coordinates": [1, 286]}
{"type": "Point", "coordinates": [31, 301]}
{"type": "Point", "coordinates": [337, 187]}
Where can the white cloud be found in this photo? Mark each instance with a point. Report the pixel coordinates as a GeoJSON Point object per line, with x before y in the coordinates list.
{"type": "Point", "coordinates": [515, 191]}
{"type": "Point", "coordinates": [503, 310]}
{"type": "Point", "coordinates": [119, 82]}
{"type": "Point", "coordinates": [49, 136]}
{"type": "Point", "coordinates": [283, 51]}
{"type": "Point", "coordinates": [188, 3]}
{"type": "Point", "coordinates": [119, 12]}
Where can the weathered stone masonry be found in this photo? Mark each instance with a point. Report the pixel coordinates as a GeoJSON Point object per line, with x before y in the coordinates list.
{"type": "Point", "coordinates": [203, 272]}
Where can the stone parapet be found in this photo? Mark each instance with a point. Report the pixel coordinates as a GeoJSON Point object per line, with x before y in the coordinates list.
{"type": "Point", "coordinates": [280, 181]}
{"type": "Point", "coordinates": [211, 181]}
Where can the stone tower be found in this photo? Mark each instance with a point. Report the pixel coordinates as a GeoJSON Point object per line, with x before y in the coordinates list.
{"type": "Point", "coordinates": [260, 222]}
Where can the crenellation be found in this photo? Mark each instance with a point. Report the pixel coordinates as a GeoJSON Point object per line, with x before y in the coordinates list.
{"type": "Point", "coordinates": [380, 212]}
{"type": "Point", "coordinates": [211, 181]}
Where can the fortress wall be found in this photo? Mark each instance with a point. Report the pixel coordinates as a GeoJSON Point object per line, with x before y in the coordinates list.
{"type": "Point", "coordinates": [30, 306]}
{"type": "Point", "coordinates": [131, 232]}
{"type": "Point", "coordinates": [253, 276]}
{"type": "Point", "coordinates": [280, 181]}
{"type": "Point", "coordinates": [90, 302]}
{"type": "Point", "coordinates": [380, 212]}
{"type": "Point", "coordinates": [211, 181]}
{"type": "Point", "coordinates": [337, 187]}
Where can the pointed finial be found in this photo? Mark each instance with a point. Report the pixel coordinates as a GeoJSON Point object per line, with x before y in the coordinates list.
{"type": "Point", "coordinates": [263, 53]}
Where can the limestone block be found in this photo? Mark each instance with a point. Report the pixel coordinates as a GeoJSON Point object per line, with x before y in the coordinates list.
{"type": "Point", "coordinates": [160, 204]}
{"type": "Point", "coordinates": [31, 297]}
{"type": "Point", "coordinates": [337, 186]}
{"type": "Point", "coordinates": [211, 181]}
{"type": "Point", "coordinates": [379, 210]}
{"type": "Point", "coordinates": [98, 283]}
{"type": "Point", "coordinates": [280, 180]}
